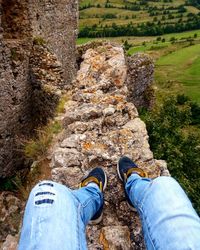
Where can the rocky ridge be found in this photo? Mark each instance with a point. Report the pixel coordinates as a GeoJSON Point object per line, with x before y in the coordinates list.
{"type": "Point", "coordinates": [100, 125]}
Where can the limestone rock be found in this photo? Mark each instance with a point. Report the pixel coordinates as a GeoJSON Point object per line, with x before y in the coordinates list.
{"type": "Point", "coordinates": [72, 141]}
{"type": "Point", "coordinates": [66, 157]}
{"type": "Point", "coordinates": [10, 243]}
{"type": "Point", "coordinates": [139, 80]}
{"type": "Point", "coordinates": [101, 125]}
{"type": "Point", "coordinates": [163, 167]}
{"type": "Point", "coordinates": [70, 177]}
{"type": "Point", "coordinates": [115, 238]}
{"type": "Point", "coordinates": [11, 209]}
{"type": "Point", "coordinates": [37, 51]}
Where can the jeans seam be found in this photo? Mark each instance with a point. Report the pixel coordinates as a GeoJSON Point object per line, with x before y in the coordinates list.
{"type": "Point", "coordinates": [87, 202]}
{"type": "Point", "coordinates": [78, 204]}
{"type": "Point", "coordinates": [144, 218]}
{"type": "Point", "coordinates": [78, 227]}
{"type": "Point", "coordinates": [140, 203]}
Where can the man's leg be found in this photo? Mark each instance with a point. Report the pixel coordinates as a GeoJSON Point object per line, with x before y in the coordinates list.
{"type": "Point", "coordinates": [168, 219]}
{"type": "Point", "coordinates": [55, 216]}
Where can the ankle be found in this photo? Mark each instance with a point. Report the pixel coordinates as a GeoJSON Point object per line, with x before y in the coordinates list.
{"type": "Point", "coordinates": [93, 184]}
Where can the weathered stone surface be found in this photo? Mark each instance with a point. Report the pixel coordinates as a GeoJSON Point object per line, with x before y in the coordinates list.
{"type": "Point", "coordinates": [109, 240]}
{"type": "Point", "coordinates": [163, 167]}
{"type": "Point", "coordinates": [11, 209]}
{"type": "Point", "coordinates": [32, 73]}
{"type": "Point", "coordinates": [66, 157]}
{"type": "Point", "coordinates": [68, 176]}
{"type": "Point", "coordinates": [56, 23]}
{"type": "Point", "coordinates": [139, 80]}
{"type": "Point", "coordinates": [10, 243]}
{"type": "Point", "coordinates": [100, 126]}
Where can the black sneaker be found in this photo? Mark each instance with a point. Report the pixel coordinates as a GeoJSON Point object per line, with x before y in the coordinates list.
{"type": "Point", "coordinates": [125, 168]}
{"type": "Point", "coordinates": [99, 177]}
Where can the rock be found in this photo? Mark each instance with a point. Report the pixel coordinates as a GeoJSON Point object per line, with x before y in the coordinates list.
{"type": "Point", "coordinates": [100, 126]}
{"type": "Point", "coordinates": [136, 125]}
{"type": "Point", "coordinates": [163, 167]}
{"type": "Point", "coordinates": [37, 57]}
{"type": "Point", "coordinates": [72, 141]}
{"type": "Point", "coordinates": [11, 209]}
{"type": "Point", "coordinates": [109, 111]}
{"type": "Point", "coordinates": [71, 177]}
{"type": "Point", "coordinates": [139, 80]}
{"type": "Point", "coordinates": [10, 243]}
{"type": "Point", "coordinates": [115, 238]}
{"type": "Point", "coordinates": [66, 157]}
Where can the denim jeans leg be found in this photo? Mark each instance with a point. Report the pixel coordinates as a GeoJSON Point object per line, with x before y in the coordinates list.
{"type": "Point", "coordinates": [168, 219]}
{"type": "Point", "coordinates": [91, 199]}
{"type": "Point", "coordinates": [53, 219]}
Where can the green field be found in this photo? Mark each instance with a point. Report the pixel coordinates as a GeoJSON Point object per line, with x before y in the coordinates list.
{"type": "Point", "coordinates": [181, 67]}
{"type": "Point", "coordinates": [100, 15]}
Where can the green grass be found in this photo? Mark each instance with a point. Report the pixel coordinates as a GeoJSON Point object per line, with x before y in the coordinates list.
{"type": "Point", "coordinates": [94, 15]}
{"type": "Point", "coordinates": [84, 40]}
{"type": "Point", "coordinates": [36, 148]}
{"type": "Point", "coordinates": [139, 40]}
{"type": "Point", "coordinates": [181, 67]}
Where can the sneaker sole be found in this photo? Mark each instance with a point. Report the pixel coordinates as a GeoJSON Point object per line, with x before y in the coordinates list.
{"type": "Point", "coordinates": [98, 220]}
{"type": "Point", "coordinates": [106, 180]}
{"type": "Point", "coordinates": [118, 172]}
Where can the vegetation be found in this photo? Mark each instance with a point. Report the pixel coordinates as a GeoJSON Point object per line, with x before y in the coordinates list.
{"type": "Point", "coordinates": [39, 41]}
{"type": "Point", "coordinates": [185, 60]}
{"type": "Point", "coordinates": [37, 148]}
{"type": "Point", "coordinates": [174, 138]}
{"type": "Point", "coordinates": [105, 18]}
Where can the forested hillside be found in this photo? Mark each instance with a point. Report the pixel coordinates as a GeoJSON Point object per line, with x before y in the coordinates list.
{"type": "Point", "coordinates": [111, 18]}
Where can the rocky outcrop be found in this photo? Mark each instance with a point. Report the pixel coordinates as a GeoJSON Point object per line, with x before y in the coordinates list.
{"type": "Point", "coordinates": [11, 209]}
{"type": "Point", "coordinates": [139, 80]}
{"type": "Point", "coordinates": [100, 126]}
{"type": "Point", "coordinates": [26, 92]}
{"type": "Point", "coordinates": [56, 23]}
{"type": "Point", "coordinates": [10, 243]}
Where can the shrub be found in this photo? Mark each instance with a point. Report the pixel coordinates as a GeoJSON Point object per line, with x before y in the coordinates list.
{"type": "Point", "coordinates": [171, 139]}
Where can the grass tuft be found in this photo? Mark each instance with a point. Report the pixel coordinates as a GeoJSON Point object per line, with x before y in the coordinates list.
{"type": "Point", "coordinates": [36, 148]}
{"type": "Point", "coordinates": [61, 105]}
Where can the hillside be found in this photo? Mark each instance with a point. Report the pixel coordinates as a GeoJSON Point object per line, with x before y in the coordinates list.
{"type": "Point", "coordinates": [111, 18]}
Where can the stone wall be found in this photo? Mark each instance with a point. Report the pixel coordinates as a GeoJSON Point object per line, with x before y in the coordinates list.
{"type": "Point", "coordinates": [21, 23]}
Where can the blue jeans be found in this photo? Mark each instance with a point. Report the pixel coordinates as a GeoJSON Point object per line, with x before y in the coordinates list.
{"type": "Point", "coordinates": [56, 217]}
{"type": "Point", "coordinates": [168, 219]}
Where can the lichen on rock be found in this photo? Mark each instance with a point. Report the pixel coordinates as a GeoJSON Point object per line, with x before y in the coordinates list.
{"type": "Point", "coordinates": [100, 126]}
